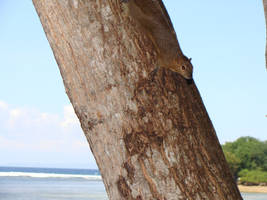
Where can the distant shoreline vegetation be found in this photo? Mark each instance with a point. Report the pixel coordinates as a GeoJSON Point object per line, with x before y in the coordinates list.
{"type": "Point", "coordinates": [247, 159]}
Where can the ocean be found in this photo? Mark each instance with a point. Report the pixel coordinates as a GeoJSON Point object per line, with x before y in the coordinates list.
{"type": "Point", "coordinates": [20, 183]}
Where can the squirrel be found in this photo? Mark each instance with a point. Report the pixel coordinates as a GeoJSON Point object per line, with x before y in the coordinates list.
{"type": "Point", "coordinates": [154, 21]}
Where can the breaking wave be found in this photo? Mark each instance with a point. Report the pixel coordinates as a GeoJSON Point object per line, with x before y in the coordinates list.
{"type": "Point", "coordinates": [50, 175]}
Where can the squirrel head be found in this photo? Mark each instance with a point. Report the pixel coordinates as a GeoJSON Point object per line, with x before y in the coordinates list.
{"type": "Point", "coordinates": [184, 67]}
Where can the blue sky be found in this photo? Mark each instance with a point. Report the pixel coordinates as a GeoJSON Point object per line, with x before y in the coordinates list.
{"type": "Point", "coordinates": [226, 40]}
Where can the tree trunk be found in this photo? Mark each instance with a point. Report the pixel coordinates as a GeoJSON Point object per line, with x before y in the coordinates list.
{"type": "Point", "coordinates": [151, 136]}
{"type": "Point", "coordinates": [265, 12]}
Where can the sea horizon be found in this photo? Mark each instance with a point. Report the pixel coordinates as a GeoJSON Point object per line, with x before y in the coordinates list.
{"type": "Point", "coordinates": [29, 183]}
{"type": "Point", "coordinates": [47, 167]}
{"type": "Point", "coordinates": [41, 172]}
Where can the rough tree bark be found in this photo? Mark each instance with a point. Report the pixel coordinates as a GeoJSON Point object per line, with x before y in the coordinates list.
{"type": "Point", "coordinates": [265, 12]}
{"type": "Point", "coordinates": [151, 137]}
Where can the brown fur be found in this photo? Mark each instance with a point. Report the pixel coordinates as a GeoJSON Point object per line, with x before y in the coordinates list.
{"type": "Point", "coordinates": [155, 23]}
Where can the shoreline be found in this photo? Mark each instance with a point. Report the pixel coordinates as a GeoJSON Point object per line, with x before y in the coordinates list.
{"type": "Point", "coordinates": [252, 189]}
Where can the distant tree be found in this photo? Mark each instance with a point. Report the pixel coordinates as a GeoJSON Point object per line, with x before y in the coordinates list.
{"type": "Point", "coordinates": [234, 163]}
{"type": "Point", "coordinates": [253, 176]}
{"type": "Point", "coordinates": [251, 153]}
{"type": "Point", "coordinates": [264, 166]}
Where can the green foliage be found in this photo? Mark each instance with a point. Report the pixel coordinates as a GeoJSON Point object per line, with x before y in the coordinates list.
{"type": "Point", "coordinates": [234, 163]}
{"type": "Point", "coordinates": [253, 176]}
{"type": "Point", "coordinates": [247, 158]}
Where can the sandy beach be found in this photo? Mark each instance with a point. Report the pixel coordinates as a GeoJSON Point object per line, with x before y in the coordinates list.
{"type": "Point", "coordinates": [254, 189]}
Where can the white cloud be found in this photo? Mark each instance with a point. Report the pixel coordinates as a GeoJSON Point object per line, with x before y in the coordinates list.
{"type": "Point", "coordinates": [70, 118]}
{"type": "Point", "coordinates": [7, 143]}
{"type": "Point", "coordinates": [14, 114]}
{"type": "Point", "coordinates": [41, 135]}
{"type": "Point", "coordinates": [3, 105]}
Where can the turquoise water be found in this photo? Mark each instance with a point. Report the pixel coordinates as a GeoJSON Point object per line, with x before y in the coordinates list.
{"type": "Point", "coordinates": [59, 184]}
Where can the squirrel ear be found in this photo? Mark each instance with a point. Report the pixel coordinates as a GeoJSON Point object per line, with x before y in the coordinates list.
{"type": "Point", "coordinates": [190, 59]}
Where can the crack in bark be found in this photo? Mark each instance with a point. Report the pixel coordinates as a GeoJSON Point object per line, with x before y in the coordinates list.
{"type": "Point", "coordinates": [124, 189]}
{"type": "Point", "coordinates": [130, 170]}
{"type": "Point", "coordinates": [152, 185]}
{"type": "Point", "coordinates": [94, 122]}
